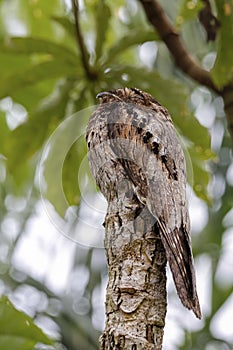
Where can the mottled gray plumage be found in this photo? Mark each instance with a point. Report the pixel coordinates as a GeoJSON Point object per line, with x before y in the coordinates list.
{"type": "Point", "coordinates": [135, 131]}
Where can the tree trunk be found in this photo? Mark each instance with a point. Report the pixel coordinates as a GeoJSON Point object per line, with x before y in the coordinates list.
{"type": "Point", "coordinates": [136, 291]}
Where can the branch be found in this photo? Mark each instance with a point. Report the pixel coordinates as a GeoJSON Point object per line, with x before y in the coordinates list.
{"type": "Point", "coordinates": [83, 51]}
{"type": "Point", "coordinates": [210, 23]}
{"type": "Point", "coordinates": [157, 17]}
{"type": "Point", "coordinates": [227, 95]}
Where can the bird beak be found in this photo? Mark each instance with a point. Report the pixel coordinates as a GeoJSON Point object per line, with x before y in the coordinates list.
{"type": "Point", "coordinates": [105, 96]}
{"type": "Point", "coordinates": [104, 93]}
{"type": "Point", "coordinates": [102, 96]}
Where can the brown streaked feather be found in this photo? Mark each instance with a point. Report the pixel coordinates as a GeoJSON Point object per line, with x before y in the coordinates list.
{"type": "Point", "coordinates": [143, 139]}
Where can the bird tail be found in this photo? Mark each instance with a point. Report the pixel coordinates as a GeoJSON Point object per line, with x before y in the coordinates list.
{"type": "Point", "coordinates": [179, 255]}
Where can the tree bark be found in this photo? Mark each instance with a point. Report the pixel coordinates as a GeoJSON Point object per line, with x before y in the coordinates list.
{"type": "Point", "coordinates": [136, 291]}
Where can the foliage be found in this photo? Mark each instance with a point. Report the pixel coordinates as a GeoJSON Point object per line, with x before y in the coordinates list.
{"type": "Point", "coordinates": [45, 79]}
{"type": "Point", "coordinates": [222, 70]}
{"type": "Point", "coordinates": [17, 330]}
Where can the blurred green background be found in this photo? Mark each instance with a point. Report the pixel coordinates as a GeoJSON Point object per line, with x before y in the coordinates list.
{"type": "Point", "coordinates": [52, 264]}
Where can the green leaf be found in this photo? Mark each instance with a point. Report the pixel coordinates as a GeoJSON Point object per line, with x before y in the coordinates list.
{"type": "Point", "coordinates": [42, 71]}
{"type": "Point", "coordinates": [223, 67]}
{"type": "Point", "coordinates": [189, 10]}
{"type": "Point", "coordinates": [130, 39]}
{"type": "Point", "coordinates": [33, 16]}
{"type": "Point", "coordinates": [201, 176]}
{"type": "Point", "coordinates": [17, 330]}
{"type": "Point", "coordinates": [4, 131]}
{"type": "Point", "coordinates": [31, 95]}
{"type": "Point", "coordinates": [30, 45]}
{"type": "Point", "coordinates": [11, 64]}
{"type": "Point", "coordinates": [219, 294]}
{"type": "Point", "coordinates": [61, 160]}
{"type": "Point", "coordinates": [195, 132]}
{"type": "Point", "coordinates": [27, 61]}
{"type": "Point", "coordinates": [102, 12]}
{"type": "Point", "coordinates": [24, 141]}
{"type": "Point", "coordinates": [70, 176]}
{"type": "Point", "coordinates": [54, 61]}
{"type": "Point", "coordinates": [66, 24]}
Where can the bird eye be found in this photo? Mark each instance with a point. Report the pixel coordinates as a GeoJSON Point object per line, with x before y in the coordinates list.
{"type": "Point", "coordinates": [138, 93]}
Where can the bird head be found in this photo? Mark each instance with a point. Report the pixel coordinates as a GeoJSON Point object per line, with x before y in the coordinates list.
{"type": "Point", "coordinates": [127, 95]}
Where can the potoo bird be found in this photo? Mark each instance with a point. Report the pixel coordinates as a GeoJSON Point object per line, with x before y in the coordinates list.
{"type": "Point", "coordinates": [139, 136]}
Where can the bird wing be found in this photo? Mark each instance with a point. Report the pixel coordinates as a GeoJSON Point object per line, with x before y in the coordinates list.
{"type": "Point", "coordinates": [145, 141]}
